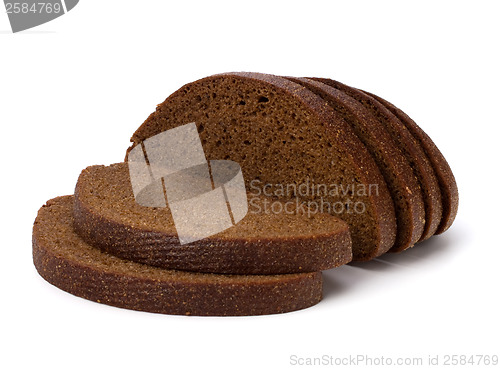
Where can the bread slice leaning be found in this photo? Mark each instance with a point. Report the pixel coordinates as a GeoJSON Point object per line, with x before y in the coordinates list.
{"type": "Point", "coordinates": [445, 177]}
{"type": "Point", "coordinates": [411, 150]}
{"type": "Point", "coordinates": [69, 263]}
{"type": "Point", "coordinates": [282, 134]}
{"type": "Point", "coordinates": [399, 176]}
{"type": "Point", "coordinates": [273, 238]}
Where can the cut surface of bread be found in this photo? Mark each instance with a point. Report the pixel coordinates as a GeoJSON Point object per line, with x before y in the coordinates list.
{"type": "Point", "coordinates": [273, 238]}
{"type": "Point", "coordinates": [400, 178]}
{"type": "Point", "coordinates": [66, 261]}
{"type": "Point", "coordinates": [282, 134]}
{"type": "Point", "coordinates": [445, 177]}
{"type": "Point", "coordinates": [410, 148]}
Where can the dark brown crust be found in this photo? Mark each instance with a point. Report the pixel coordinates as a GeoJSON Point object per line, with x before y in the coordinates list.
{"type": "Point", "coordinates": [395, 168]}
{"type": "Point", "coordinates": [444, 174]}
{"type": "Point", "coordinates": [366, 168]}
{"type": "Point", "coordinates": [215, 254]}
{"type": "Point", "coordinates": [67, 262]}
{"type": "Point", "coordinates": [410, 148]}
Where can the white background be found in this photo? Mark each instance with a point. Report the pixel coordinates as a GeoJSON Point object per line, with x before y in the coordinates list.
{"type": "Point", "coordinates": [73, 91]}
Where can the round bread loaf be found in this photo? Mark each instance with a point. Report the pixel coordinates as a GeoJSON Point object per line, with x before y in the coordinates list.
{"type": "Point", "coordinates": [66, 261]}
{"type": "Point", "coordinates": [283, 134]}
{"type": "Point", "coordinates": [273, 238]}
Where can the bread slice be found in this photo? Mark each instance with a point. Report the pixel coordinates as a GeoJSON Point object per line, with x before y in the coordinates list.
{"type": "Point", "coordinates": [409, 147]}
{"type": "Point", "coordinates": [69, 263]}
{"type": "Point", "coordinates": [445, 177]}
{"type": "Point", "coordinates": [400, 178]}
{"type": "Point", "coordinates": [269, 240]}
{"type": "Point", "coordinates": [283, 134]}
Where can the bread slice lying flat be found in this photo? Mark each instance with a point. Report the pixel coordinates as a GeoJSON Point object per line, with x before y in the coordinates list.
{"type": "Point", "coordinates": [264, 242]}
{"type": "Point", "coordinates": [66, 261]}
{"type": "Point", "coordinates": [282, 133]}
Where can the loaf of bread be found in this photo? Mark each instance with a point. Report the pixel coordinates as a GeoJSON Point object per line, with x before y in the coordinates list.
{"type": "Point", "coordinates": [248, 111]}
{"type": "Point", "coordinates": [369, 177]}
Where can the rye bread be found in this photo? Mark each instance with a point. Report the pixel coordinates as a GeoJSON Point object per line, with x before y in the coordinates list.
{"type": "Point", "coordinates": [444, 174]}
{"type": "Point", "coordinates": [269, 240]}
{"type": "Point", "coordinates": [66, 261]}
{"type": "Point", "coordinates": [400, 178]}
{"type": "Point", "coordinates": [410, 148]}
{"type": "Point", "coordinates": [281, 133]}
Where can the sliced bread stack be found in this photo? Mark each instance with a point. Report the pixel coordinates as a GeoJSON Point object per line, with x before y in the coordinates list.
{"type": "Point", "coordinates": [371, 180]}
